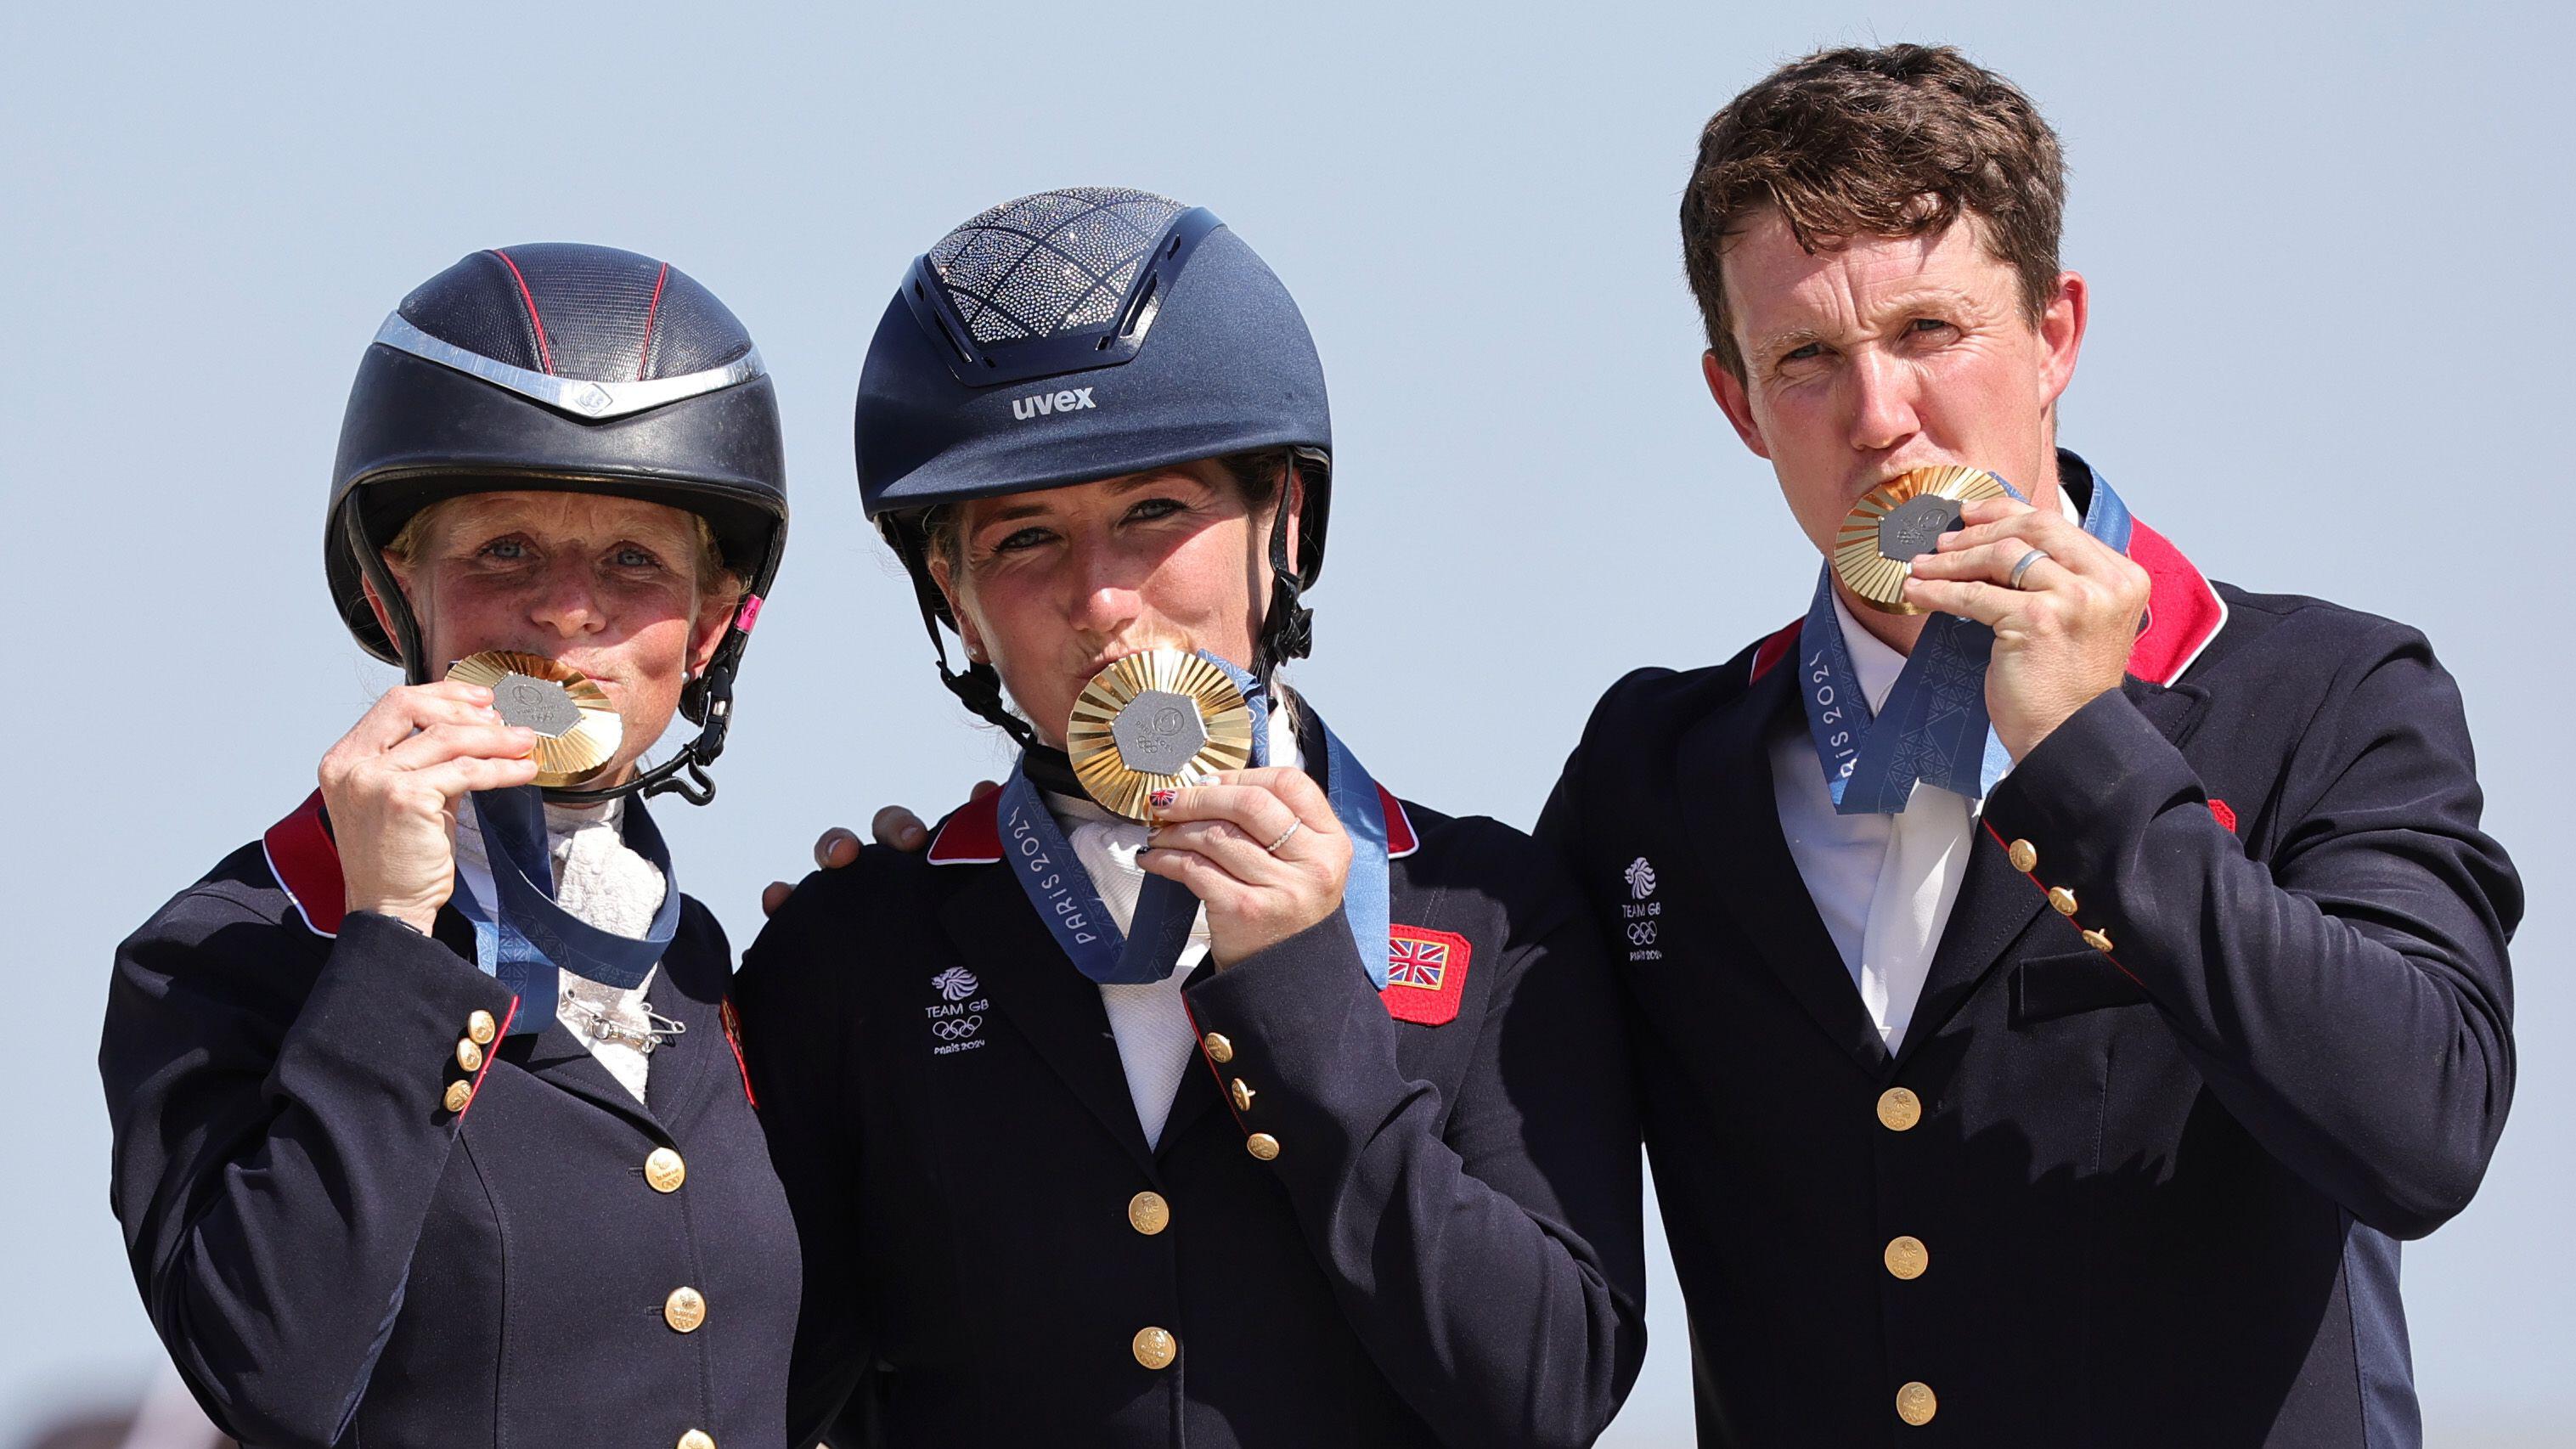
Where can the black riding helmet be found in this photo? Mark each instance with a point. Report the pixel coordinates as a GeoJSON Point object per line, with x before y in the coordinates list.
{"type": "Point", "coordinates": [563, 366]}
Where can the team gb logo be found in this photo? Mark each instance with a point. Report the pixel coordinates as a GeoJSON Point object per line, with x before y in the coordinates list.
{"type": "Point", "coordinates": [1641, 879]}
{"type": "Point", "coordinates": [954, 984]}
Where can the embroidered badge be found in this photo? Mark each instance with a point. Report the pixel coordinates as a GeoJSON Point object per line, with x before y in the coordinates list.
{"type": "Point", "coordinates": [1641, 910]}
{"type": "Point", "coordinates": [1426, 974]}
{"type": "Point", "coordinates": [958, 1014]}
{"type": "Point", "coordinates": [1640, 876]}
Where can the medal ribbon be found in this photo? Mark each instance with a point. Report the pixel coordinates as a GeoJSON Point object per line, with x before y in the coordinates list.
{"type": "Point", "coordinates": [1061, 892]}
{"type": "Point", "coordinates": [529, 941]}
{"type": "Point", "coordinates": [1934, 728]}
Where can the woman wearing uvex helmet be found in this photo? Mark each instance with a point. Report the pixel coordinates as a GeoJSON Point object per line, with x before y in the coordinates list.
{"type": "Point", "coordinates": [1295, 1119]}
{"type": "Point", "coordinates": [429, 1129]}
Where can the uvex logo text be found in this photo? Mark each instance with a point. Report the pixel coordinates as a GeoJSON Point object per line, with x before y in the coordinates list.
{"type": "Point", "coordinates": [1072, 399]}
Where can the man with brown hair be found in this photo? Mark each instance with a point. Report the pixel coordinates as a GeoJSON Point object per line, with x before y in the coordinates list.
{"type": "Point", "coordinates": [2005, 1083]}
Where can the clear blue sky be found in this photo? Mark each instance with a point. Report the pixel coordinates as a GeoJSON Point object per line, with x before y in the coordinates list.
{"type": "Point", "coordinates": [2328, 248]}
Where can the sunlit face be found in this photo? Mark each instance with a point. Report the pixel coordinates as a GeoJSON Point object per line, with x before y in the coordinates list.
{"type": "Point", "coordinates": [1054, 586]}
{"type": "Point", "coordinates": [1886, 354]}
{"type": "Point", "coordinates": [607, 585]}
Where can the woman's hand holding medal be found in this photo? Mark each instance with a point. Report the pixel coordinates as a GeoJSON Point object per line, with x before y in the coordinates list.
{"type": "Point", "coordinates": [1259, 848]}
{"type": "Point", "coordinates": [2064, 620]}
{"type": "Point", "coordinates": [391, 785]}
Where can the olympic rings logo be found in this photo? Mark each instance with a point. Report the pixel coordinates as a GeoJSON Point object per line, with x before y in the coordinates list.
{"type": "Point", "coordinates": [957, 1030]}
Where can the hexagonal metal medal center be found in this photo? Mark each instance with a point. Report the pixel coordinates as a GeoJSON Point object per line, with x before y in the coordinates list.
{"type": "Point", "coordinates": [1915, 525]}
{"type": "Point", "coordinates": [1158, 732]}
{"type": "Point", "coordinates": [538, 704]}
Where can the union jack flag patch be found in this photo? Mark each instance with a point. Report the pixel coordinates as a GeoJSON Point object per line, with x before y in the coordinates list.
{"type": "Point", "coordinates": [1426, 974]}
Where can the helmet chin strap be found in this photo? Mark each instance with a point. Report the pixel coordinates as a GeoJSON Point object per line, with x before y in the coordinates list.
{"type": "Point", "coordinates": [1287, 626]}
{"type": "Point", "coordinates": [979, 686]}
{"type": "Point", "coordinates": [713, 691]}
{"type": "Point", "coordinates": [716, 687]}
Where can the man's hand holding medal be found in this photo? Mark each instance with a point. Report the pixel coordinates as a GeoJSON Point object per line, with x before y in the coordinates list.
{"type": "Point", "coordinates": [2065, 607]}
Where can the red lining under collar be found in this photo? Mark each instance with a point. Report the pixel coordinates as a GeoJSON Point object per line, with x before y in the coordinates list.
{"type": "Point", "coordinates": [306, 863]}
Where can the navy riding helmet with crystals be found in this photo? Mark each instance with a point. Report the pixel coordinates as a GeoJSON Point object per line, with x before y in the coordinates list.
{"type": "Point", "coordinates": [573, 367]}
{"type": "Point", "coordinates": [1082, 334]}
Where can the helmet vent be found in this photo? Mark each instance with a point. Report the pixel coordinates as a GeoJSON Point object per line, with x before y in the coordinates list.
{"type": "Point", "coordinates": [1052, 264]}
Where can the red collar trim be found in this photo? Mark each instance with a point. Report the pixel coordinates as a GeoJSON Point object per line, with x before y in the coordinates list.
{"type": "Point", "coordinates": [1400, 839]}
{"type": "Point", "coordinates": [306, 863]}
{"type": "Point", "coordinates": [2184, 612]}
{"type": "Point", "coordinates": [973, 834]}
{"type": "Point", "coordinates": [1771, 651]}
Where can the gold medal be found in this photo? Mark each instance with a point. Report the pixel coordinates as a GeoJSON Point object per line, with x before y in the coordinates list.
{"type": "Point", "coordinates": [1897, 520]}
{"type": "Point", "coordinates": [577, 728]}
{"type": "Point", "coordinates": [1153, 721]}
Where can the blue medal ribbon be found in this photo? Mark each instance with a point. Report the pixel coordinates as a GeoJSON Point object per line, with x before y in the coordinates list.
{"type": "Point", "coordinates": [1934, 728]}
{"type": "Point", "coordinates": [529, 940]}
{"type": "Point", "coordinates": [1061, 892]}
{"type": "Point", "coordinates": [1362, 812]}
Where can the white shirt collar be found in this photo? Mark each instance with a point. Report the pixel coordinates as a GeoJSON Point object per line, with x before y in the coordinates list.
{"type": "Point", "coordinates": [1874, 663]}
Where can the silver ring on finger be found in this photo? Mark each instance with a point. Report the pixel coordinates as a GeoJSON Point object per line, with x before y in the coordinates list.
{"type": "Point", "coordinates": [1293, 827]}
{"type": "Point", "coordinates": [2023, 567]}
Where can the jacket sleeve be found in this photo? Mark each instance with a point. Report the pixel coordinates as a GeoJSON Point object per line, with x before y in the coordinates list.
{"type": "Point", "coordinates": [1495, 1268]}
{"type": "Point", "coordinates": [2348, 998]}
{"type": "Point", "coordinates": [798, 1031]}
{"type": "Point", "coordinates": [274, 1158]}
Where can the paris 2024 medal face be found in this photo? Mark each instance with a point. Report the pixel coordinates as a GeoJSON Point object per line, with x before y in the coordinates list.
{"type": "Point", "coordinates": [1897, 520]}
{"type": "Point", "coordinates": [1154, 721]}
{"type": "Point", "coordinates": [577, 728]}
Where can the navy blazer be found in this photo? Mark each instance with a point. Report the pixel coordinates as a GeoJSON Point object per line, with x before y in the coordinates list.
{"type": "Point", "coordinates": [333, 1256]}
{"type": "Point", "coordinates": [2136, 1175]}
{"type": "Point", "coordinates": [1382, 1219]}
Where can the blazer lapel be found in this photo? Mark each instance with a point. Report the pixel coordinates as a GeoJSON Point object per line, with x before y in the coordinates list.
{"type": "Point", "coordinates": [1997, 903]}
{"type": "Point", "coordinates": [554, 1055]}
{"type": "Point", "coordinates": [693, 997]}
{"type": "Point", "coordinates": [1053, 1006]}
{"type": "Point", "coordinates": [1730, 810]}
